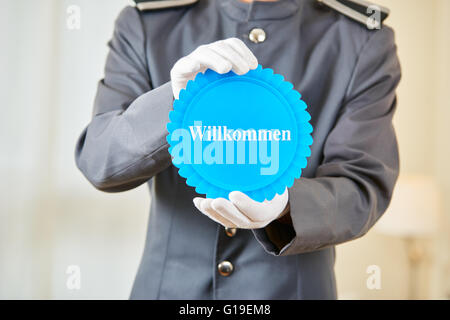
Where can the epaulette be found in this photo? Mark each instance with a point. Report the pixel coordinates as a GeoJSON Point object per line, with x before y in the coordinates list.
{"type": "Point", "coordinates": [161, 4]}
{"type": "Point", "coordinates": [367, 13]}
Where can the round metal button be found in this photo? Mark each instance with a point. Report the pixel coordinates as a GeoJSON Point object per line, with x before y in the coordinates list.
{"type": "Point", "coordinates": [225, 268]}
{"type": "Point", "coordinates": [257, 35]}
{"type": "Point", "coordinates": [230, 232]}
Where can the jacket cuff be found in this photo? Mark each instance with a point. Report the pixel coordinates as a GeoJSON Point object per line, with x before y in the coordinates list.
{"type": "Point", "coordinates": [276, 238]}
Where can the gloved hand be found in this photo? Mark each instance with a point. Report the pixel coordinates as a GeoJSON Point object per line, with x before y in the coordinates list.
{"type": "Point", "coordinates": [220, 56]}
{"type": "Point", "coordinates": [243, 212]}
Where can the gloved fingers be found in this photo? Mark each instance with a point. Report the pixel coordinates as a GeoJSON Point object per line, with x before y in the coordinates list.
{"type": "Point", "coordinates": [244, 51]}
{"type": "Point", "coordinates": [185, 67]}
{"type": "Point", "coordinates": [199, 204]}
{"type": "Point", "coordinates": [184, 70]}
{"type": "Point", "coordinates": [259, 211]}
{"type": "Point", "coordinates": [180, 81]}
{"type": "Point", "coordinates": [221, 56]}
{"type": "Point", "coordinates": [249, 207]}
{"type": "Point", "coordinates": [210, 59]}
{"type": "Point", "coordinates": [204, 206]}
{"type": "Point", "coordinates": [227, 210]}
{"type": "Point", "coordinates": [240, 65]}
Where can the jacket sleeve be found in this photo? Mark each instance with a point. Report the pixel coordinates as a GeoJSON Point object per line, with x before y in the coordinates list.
{"type": "Point", "coordinates": [124, 145]}
{"type": "Point", "coordinates": [353, 185]}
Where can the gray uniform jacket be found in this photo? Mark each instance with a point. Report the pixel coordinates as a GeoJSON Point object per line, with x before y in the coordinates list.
{"type": "Point", "coordinates": [347, 75]}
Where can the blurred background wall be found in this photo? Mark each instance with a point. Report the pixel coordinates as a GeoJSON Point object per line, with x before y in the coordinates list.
{"type": "Point", "coordinates": [51, 219]}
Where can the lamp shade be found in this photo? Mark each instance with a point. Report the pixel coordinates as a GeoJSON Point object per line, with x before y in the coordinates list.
{"type": "Point", "coordinates": [414, 209]}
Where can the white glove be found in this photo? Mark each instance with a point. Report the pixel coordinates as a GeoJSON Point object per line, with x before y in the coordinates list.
{"type": "Point", "coordinates": [220, 56]}
{"type": "Point", "coordinates": [241, 211]}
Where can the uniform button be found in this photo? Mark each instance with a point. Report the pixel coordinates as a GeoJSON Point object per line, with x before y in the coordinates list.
{"type": "Point", "coordinates": [230, 231]}
{"type": "Point", "coordinates": [225, 268]}
{"type": "Point", "coordinates": [257, 35]}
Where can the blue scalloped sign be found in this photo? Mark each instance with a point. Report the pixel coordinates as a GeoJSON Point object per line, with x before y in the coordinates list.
{"type": "Point", "coordinates": [248, 133]}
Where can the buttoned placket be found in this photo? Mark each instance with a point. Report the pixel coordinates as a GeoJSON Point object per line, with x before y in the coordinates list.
{"type": "Point", "coordinates": [254, 22]}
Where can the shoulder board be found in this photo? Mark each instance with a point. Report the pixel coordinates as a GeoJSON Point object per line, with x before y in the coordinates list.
{"type": "Point", "coordinates": [144, 5]}
{"type": "Point", "coordinates": [365, 12]}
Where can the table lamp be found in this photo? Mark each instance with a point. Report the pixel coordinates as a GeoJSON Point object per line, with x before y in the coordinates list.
{"type": "Point", "coordinates": [413, 214]}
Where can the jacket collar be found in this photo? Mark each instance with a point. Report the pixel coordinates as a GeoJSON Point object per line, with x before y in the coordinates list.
{"type": "Point", "coordinates": [259, 10]}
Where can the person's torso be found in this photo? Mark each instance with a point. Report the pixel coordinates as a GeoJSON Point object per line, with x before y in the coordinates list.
{"type": "Point", "coordinates": [313, 48]}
